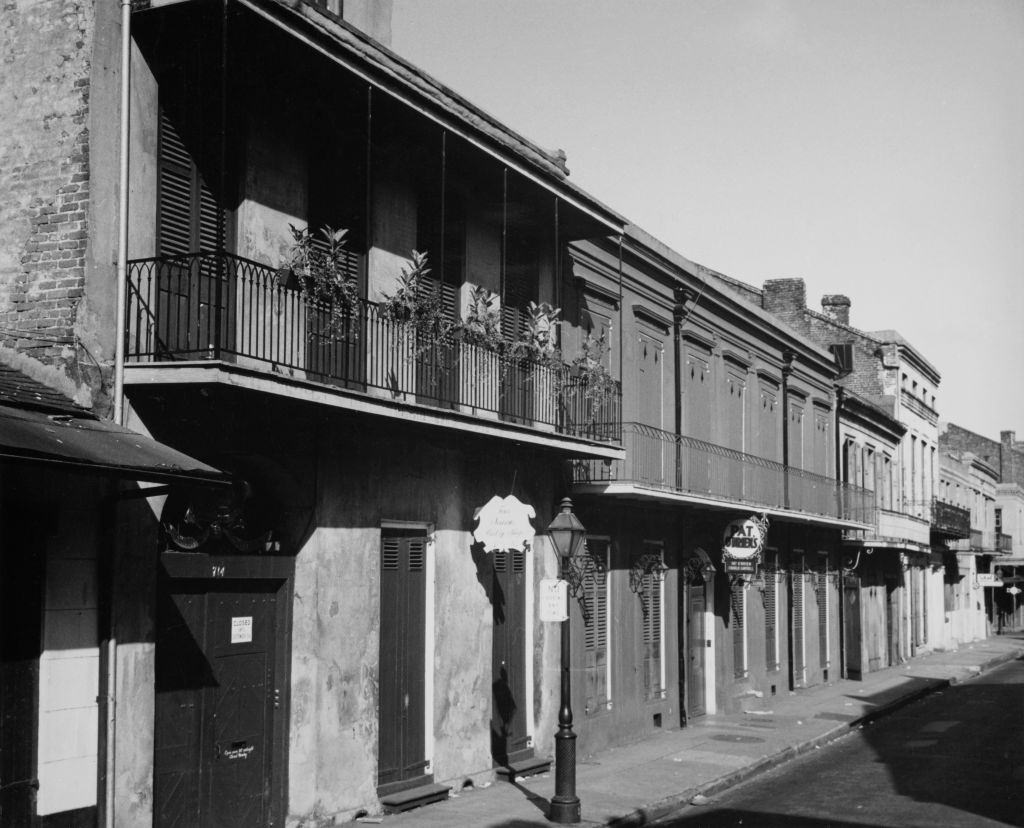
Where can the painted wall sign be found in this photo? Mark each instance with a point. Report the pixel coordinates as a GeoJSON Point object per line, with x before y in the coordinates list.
{"type": "Point", "coordinates": [742, 543]}
{"type": "Point", "coordinates": [551, 599]}
{"type": "Point", "coordinates": [241, 629]}
{"type": "Point", "coordinates": [504, 523]}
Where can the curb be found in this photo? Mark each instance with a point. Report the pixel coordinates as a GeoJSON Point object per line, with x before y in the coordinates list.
{"type": "Point", "coordinates": [664, 807]}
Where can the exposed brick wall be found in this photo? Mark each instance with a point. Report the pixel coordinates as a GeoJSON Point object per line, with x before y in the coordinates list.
{"type": "Point", "coordinates": [1005, 454]}
{"type": "Point", "coordinates": [44, 176]}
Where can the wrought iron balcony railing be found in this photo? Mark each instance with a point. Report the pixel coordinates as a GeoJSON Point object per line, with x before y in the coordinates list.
{"type": "Point", "coordinates": [223, 307]}
{"type": "Point", "coordinates": [659, 459]}
{"type": "Point", "coordinates": [952, 521]}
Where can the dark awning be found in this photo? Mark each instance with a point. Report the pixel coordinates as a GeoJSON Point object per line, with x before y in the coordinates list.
{"type": "Point", "coordinates": [90, 444]}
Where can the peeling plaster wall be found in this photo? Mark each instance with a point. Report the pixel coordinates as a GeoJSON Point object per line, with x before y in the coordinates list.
{"type": "Point", "coordinates": [336, 616]}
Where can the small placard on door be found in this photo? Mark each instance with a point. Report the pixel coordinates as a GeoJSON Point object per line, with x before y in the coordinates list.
{"type": "Point", "coordinates": [241, 629]}
{"type": "Point", "coordinates": [551, 598]}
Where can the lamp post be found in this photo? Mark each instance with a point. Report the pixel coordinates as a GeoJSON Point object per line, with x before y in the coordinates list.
{"type": "Point", "coordinates": [567, 535]}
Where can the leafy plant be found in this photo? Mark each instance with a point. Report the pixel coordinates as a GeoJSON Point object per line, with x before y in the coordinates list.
{"type": "Point", "coordinates": [414, 303]}
{"type": "Point", "coordinates": [482, 323]}
{"type": "Point", "coordinates": [539, 341]}
{"type": "Point", "coordinates": [589, 365]}
{"type": "Point", "coordinates": [320, 264]}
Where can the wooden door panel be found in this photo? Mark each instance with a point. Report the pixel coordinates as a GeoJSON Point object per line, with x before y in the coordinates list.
{"type": "Point", "coordinates": [696, 651]}
{"type": "Point", "coordinates": [508, 714]}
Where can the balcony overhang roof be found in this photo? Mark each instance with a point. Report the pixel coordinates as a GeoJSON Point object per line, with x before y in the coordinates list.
{"type": "Point", "coordinates": [647, 493]}
{"type": "Point", "coordinates": [375, 63]}
{"type": "Point", "coordinates": [82, 442]}
{"type": "Point", "coordinates": [207, 372]}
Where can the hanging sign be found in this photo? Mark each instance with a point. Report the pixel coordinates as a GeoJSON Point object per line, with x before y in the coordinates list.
{"type": "Point", "coordinates": [742, 543]}
{"type": "Point", "coordinates": [1013, 590]}
{"type": "Point", "coordinates": [551, 599]}
{"type": "Point", "coordinates": [504, 523]}
{"type": "Point", "coordinates": [988, 579]}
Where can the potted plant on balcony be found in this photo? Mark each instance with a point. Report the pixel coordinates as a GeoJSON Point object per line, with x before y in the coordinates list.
{"type": "Point", "coordinates": [539, 355]}
{"type": "Point", "coordinates": [415, 324]}
{"type": "Point", "coordinates": [318, 266]}
{"type": "Point", "coordinates": [480, 347]}
{"type": "Point", "coordinates": [590, 398]}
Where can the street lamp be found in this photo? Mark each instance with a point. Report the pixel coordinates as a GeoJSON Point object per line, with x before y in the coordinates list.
{"type": "Point", "coordinates": [567, 535]}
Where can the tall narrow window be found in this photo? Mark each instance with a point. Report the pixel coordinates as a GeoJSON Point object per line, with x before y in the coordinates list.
{"type": "Point", "coordinates": [649, 574]}
{"type": "Point", "coordinates": [596, 660]}
{"type": "Point", "coordinates": [823, 619]}
{"type": "Point", "coordinates": [799, 639]}
{"type": "Point", "coordinates": [739, 629]}
{"type": "Point", "coordinates": [771, 610]}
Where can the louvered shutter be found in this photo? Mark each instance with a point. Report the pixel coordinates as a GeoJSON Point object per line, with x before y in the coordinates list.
{"type": "Point", "coordinates": [799, 658]}
{"type": "Point", "coordinates": [771, 631]}
{"type": "Point", "coordinates": [739, 631]}
{"type": "Point", "coordinates": [595, 630]}
{"type": "Point", "coordinates": [823, 626]}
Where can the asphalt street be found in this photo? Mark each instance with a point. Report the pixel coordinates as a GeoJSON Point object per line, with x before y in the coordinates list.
{"type": "Point", "coordinates": [954, 758]}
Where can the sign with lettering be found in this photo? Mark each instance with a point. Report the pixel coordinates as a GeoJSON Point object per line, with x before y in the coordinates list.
{"type": "Point", "coordinates": [504, 523]}
{"type": "Point", "coordinates": [988, 579]}
{"type": "Point", "coordinates": [241, 629]}
{"type": "Point", "coordinates": [551, 599]}
{"type": "Point", "coordinates": [742, 543]}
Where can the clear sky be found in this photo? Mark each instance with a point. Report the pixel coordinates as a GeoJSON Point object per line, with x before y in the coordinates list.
{"type": "Point", "coordinates": [873, 147]}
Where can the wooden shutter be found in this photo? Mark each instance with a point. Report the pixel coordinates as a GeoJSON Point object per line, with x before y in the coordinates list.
{"type": "Point", "coordinates": [771, 619]}
{"type": "Point", "coordinates": [595, 630]}
{"type": "Point", "coordinates": [823, 625]}
{"type": "Point", "coordinates": [189, 217]}
{"type": "Point", "coordinates": [739, 632]}
{"type": "Point", "coordinates": [799, 662]}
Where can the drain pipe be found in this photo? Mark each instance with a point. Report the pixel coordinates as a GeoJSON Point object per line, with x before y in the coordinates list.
{"type": "Point", "coordinates": [119, 348]}
{"type": "Point", "coordinates": [122, 214]}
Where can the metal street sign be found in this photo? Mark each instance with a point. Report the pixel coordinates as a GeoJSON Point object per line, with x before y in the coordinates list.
{"type": "Point", "coordinates": [552, 599]}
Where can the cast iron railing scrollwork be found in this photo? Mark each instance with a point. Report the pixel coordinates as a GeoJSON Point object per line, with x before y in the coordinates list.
{"type": "Point", "coordinates": [582, 572]}
{"type": "Point", "coordinates": [649, 563]}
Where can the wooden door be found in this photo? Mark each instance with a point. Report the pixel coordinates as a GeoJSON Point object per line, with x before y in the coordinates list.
{"type": "Point", "coordinates": [509, 739]}
{"type": "Point", "coordinates": [697, 644]}
{"type": "Point", "coordinates": [402, 742]}
{"type": "Point", "coordinates": [217, 694]}
{"type": "Point", "coordinates": [21, 594]}
{"type": "Point", "coordinates": [892, 620]}
{"type": "Point", "coordinates": [798, 666]}
{"type": "Point", "coordinates": [852, 636]}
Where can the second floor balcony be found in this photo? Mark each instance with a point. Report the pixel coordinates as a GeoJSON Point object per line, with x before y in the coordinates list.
{"type": "Point", "coordinates": [951, 521]}
{"type": "Point", "coordinates": [692, 469]}
{"type": "Point", "coordinates": [224, 308]}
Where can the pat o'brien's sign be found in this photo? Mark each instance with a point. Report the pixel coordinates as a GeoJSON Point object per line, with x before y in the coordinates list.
{"type": "Point", "coordinates": [742, 543]}
{"type": "Point", "coordinates": [504, 523]}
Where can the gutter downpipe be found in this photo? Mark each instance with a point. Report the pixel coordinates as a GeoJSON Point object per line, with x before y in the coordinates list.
{"type": "Point", "coordinates": [843, 655]}
{"type": "Point", "coordinates": [683, 295]}
{"type": "Point", "coordinates": [122, 214]}
{"type": "Point", "coordinates": [120, 332]}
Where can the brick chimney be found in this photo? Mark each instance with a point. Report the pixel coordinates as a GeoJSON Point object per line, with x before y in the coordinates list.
{"type": "Point", "coordinates": [784, 295]}
{"type": "Point", "coordinates": [836, 307]}
{"type": "Point", "coordinates": [1009, 467]}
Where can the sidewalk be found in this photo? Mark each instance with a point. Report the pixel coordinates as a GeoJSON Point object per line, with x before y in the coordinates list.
{"type": "Point", "coordinates": [636, 784]}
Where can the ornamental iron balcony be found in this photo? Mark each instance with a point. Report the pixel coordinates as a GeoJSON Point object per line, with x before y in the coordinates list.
{"type": "Point", "coordinates": [217, 306]}
{"type": "Point", "coordinates": [951, 521]}
{"type": "Point", "coordinates": [679, 464]}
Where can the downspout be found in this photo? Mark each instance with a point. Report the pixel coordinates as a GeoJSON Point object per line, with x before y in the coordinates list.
{"type": "Point", "coordinates": [678, 314]}
{"type": "Point", "coordinates": [787, 368]}
{"type": "Point", "coordinates": [840, 396]}
{"type": "Point", "coordinates": [122, 214]}
{"type": "Point", "coordinates": [120, 332]}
